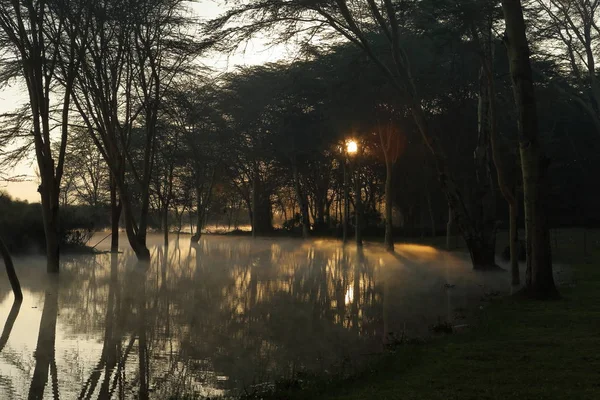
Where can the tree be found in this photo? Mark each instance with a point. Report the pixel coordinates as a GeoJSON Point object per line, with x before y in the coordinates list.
{"type": "Point", "coordinates": [368, 24]}
{"type": "Point", "coordinates": [568, 33]}
{"type": "Point", "coordinates": [391, 145]}
{"type": "Point", "coordinates": [137, 50]}
{"type": "Point", "coordinates": [85, 171]}
{"type": "Point", "coordinates": [539, 281]}
{"type": "Point", "coordinates": [10, 271]}
{"type": "Point", "coordinates": [41, 39]}
{"type": "Point", "coordinates": [165, 171]}
{"type": "Point", "coordinates": [194, 111]}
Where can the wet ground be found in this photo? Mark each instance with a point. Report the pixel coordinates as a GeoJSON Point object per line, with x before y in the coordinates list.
{"type": "Point", "coordinates": [222, 317]}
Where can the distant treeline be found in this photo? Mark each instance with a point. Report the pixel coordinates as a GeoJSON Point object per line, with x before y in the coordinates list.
{"type": "Point", "coordinates": [22, 228]}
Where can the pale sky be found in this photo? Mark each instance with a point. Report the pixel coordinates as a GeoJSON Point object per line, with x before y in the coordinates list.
{"type": "Point", "coordinates": [258, 51]}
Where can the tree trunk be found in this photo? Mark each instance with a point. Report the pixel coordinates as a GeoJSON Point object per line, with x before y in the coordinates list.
{"type": "Point", "coordinates": [320, 209]}
{"type": "Point", "coordinates": [389, 197]}
{"type": "Point", "coordinates": [202, 206]}
{"type": "Point", "coordinates": [539, 281]}
{"type": "Point", "coordinates": [514, 243]}
{"type": "Point", "coordinates": [143, 224]}
{"type": "Point", "coordinates": [199, 215]}
{"type": "Point", "coordinates": [302, 202]}
{"type": "Point", "coordinates": [449, 227]}
{"type": "Point", "coordinates": [476, 240]}
{"type": "Point", "coordinates": [10, 271]}
{"type": "Point", "coordinates": [51, 228]}
{"type": "Point", "coordinates": [484, 205]}
{"type": "Point", "coordinates": [483, 251]}
{"type": "Point", "coordinates": [261, 207]}
{"type": "Point", "coordinates": [487, 61]}
{"type": "Point", "coordinates": [431, 214]}
{"type": "Point", "coordinates": [358, 208]}
{"type": "Point", "coordinates": [139, 248]}
{"type": "Point", "coordinates": [50, 200]}
{"type": "Point", "coordinates": [346, 213]}
{"type": "Point", "coordinates": [115, 207]}
{"type": "Point", "coordinates": [165, 224]}
{"type": "Point", "coordinates": [255, 188]}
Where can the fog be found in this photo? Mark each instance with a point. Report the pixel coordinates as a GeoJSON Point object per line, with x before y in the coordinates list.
{"type": "Point", "coordinates": [228, 315]}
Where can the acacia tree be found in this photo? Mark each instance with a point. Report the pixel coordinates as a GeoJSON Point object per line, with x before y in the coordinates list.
{"type": "Point", "coordinates": [539, 278]}
{"type": "Point", "coordinates": [250, 163]}
{"type": "Point", "coordinates": [366, 23]}
{"type": "Point", "coordinates": [41, 40]}
{"type": "Point", "coordinates": [194, 112]}
{"type": "Point", "coordinates": [478, 19]}
{"type": "Point", "coordinates": [484, 38]}
{"type": "Point", "coordinates": [86, 171]}
{"type": "Point", "coordinates": [135, 53]}
{"type": "Point", "coordinates": [391, 146]}
{"type": "Point", "coordinates": [568, 33]}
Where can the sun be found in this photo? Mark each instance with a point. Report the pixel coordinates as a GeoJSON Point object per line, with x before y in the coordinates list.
{"type": "Point", "coordinates": [351, 146]}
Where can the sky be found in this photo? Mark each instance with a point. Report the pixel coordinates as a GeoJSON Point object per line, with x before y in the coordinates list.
{"type": "Point", "coordinates": [257, 51]}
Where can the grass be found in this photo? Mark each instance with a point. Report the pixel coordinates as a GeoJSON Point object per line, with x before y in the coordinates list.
{"type": "Point", "coordinates": [519, 349]}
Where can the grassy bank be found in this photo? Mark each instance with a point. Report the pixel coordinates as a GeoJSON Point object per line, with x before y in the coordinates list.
{"type": "Point", "coordinates": [519, 349]}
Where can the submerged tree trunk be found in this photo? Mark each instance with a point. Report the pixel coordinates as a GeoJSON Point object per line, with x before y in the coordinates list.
{"type": "Point", "coordinates": [115, 215]}
{"type": "Point", "coordinates": [302, 202]}
{"type": "Point", "coordinates": [139, 248]}
{"type": "Point", "coordinates": [261, 207]}
{"type": "Point", "coordinates": [346, 213]}
{"type": "Point", "coordinates": [10, 271]}
{"type": "Point", "coordinates": [165, 224]}
{"type": "Point", "coordinates": [50, 200]}
{"type": "Point", "coordinates": [199, 215]}
{"type": "Point", "coordinates": [358, 208]}
{"type": "Point", "coordinates": [539, 281]}
{"type": "Point", "coordinates": [203, 204]}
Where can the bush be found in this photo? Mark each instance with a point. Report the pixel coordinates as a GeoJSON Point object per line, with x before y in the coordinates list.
{"type": "Point", "coordinates": [293, 223]}
{"type": "Point", "coordinates": [22, 227]}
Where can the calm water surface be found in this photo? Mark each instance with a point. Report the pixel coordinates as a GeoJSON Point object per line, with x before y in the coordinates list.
{"type": "Point", "coordinates": [226, 316]}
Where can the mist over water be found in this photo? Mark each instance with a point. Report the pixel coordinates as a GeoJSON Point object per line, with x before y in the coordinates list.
{"type": "Point", "coordinates": [223, 316]}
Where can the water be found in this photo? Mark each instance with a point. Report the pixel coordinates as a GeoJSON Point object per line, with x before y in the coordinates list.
{"type": "Point", "coordinates": [222, 317]}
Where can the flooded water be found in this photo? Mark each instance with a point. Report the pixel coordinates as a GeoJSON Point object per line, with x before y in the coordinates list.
{"type": "Point", "coordinates": [226, 316]}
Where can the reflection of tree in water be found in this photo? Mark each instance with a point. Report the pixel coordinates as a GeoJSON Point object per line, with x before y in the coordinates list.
{"type": "Point", "coordinates": [113, 357]}
{"type": "Point", "coordinates": [8, 325]}
{"type": "Point", "coordinates": [255, 314]}
{"type": "Point", "coordinates": [45, 362]}
{"type": "Point", "coordinates": [226, 314]}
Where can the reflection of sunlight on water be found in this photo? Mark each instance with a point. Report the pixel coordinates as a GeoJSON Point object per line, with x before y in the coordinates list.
{"type": "Point", "coordinates": [229, 311]}
{"type": "Point", "coordinates": [349, 297]}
